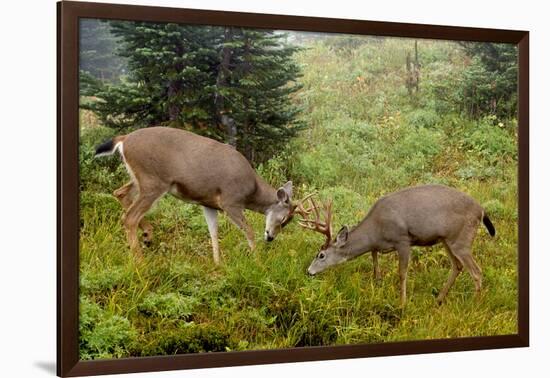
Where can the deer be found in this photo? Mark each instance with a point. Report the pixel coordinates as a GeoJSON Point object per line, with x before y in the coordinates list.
{"type": "Point", "coordinates": [196, 169]}
{"type": "Point", "coordinates": [416, 216]}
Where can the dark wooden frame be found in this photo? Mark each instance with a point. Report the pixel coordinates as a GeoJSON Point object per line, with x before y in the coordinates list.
{"type": "Point", "coordinates": [68, 14]}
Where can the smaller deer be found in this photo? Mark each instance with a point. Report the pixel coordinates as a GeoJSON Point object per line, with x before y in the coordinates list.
{"type": "Point", "coordinates": [417, 216]}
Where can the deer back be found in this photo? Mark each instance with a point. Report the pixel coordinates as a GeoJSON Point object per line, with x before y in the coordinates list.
{"type": "Point", "coordinates": [421, 215]}
{"type": "Point", "coordinates": [193, 167]}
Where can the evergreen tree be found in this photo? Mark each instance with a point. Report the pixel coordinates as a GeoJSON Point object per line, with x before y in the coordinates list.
{"type": "Point", "coordinates": [170, 80]}
{"type": "Point", "coordinates": [490, 82]}
{"type": "Point", "coordinates": [231, 84]}
{"type": "Point", "coordinates": [256, 78]}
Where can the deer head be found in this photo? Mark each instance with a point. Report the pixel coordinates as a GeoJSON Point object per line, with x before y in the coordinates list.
{"type": "Point", "coordinates": [280, 213]}
{"type": "Point", "coordinates": [331, 252]}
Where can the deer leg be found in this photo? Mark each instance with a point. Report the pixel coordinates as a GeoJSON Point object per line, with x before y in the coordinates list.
{"type": "Point", "coordinates": [376, 268]}
{"type": "Point", "coordinates": [211, 216]}
{"type": "Point", "coordinates": [126, 195]}
{"type": "Point", "coordinates": [462, 250]}
{"type": "Point", "coordinates": [135, 214]}
{"type": "Point", "coordinates": [473, 269]}
{"type": "Point", "coordinates": [237, 217]}
{"type": "Point", "coordinates": [456, 268]}
{"type": "Point", "coordinates": [404, 253]}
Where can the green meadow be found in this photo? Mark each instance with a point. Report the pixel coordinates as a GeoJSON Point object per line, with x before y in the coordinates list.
{"type": "Point", "coordinates": [365, 136]}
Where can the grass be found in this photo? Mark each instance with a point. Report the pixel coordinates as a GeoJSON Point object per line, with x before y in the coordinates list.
{"type": "Point", "coordinates": [365, 138]}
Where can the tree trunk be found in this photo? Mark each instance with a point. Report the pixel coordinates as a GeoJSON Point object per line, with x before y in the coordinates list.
{"type": "Point", "coordinates": [173, 107]}
{"type": "Point", "coordinates": [247, 124]}
{"type": "Point", "coordinates": [413, 71]}
{"type": "Point", "coordinates": [409, 81]}
{"type": "Point", "coordinates": [416, 67]}
{"type": "Point", "coordinates": [230, 129]}
{"type": "Point", "coordinates": [224, 118]}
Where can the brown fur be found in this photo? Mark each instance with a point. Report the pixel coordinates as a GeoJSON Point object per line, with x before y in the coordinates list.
{"type": "Point", "coordinates": [193, 168]}
{"type": "Point", "coordinates": [416, 216]}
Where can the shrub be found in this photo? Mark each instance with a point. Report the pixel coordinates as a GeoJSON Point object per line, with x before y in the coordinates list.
{"type": "Point", "coordinates": [275, 171]}
{"type": "Point", "coordinates": [321, 165]}
{"type": "Point", "coordinates": [189, 338]}
{"type": "Point", "coordinates": [169, 305]}
{"type": "Point", "coordinates": [491, 141]}
{"type": "Point", "coordinates": [474, 170]}
{"type": "Point", "coordinates": [423, 118]}
{"type": "Point", "coordinates": [103, 334]}
{"type": "Point", "coordinates": [415, 151]}
{"type": "Point", "coordinates": [496, 209]}
{"type": "Point", "coordinates": [104, 280]}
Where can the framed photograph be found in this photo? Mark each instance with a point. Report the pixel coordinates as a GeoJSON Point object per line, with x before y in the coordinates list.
{"type": "Point", "coordinates": [238, 188]}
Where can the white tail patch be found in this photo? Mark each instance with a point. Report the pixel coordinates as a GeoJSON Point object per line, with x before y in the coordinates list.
{"type": "Point", "coordinates": [120, 148]}
{"type": "Point", "coordinates": [109, 153]}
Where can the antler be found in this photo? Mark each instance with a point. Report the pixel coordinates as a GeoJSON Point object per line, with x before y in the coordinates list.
{"type": "Point", "coordinates": [299, 207]}
{"type": "Point", "coordinates": [315, 224]}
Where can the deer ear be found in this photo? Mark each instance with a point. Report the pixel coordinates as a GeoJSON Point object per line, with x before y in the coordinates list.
{"type": "Point", "coordinates": [342, 236]}
{"type": "Point", "coordinates": [285, 192]}
{"type": "Point", "coordinates": [282, 196]}
{"type": "Point", "coordinates": [288, 188]}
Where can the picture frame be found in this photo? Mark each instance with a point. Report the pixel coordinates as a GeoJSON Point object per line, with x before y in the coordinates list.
{"type": "Point", "coordinates": [68, 15]}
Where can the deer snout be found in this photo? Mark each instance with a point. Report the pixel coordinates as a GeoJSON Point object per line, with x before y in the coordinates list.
{"type": "Point", "coordinates": [268, 236]}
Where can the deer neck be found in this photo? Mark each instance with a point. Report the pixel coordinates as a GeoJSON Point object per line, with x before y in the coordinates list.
{"type": "Point", "coordinates": [264, 197]}
{"type": "Point", "coordinates": [358, 243]}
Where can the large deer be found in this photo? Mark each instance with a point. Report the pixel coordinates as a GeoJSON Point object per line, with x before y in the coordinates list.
{"type": "Point", "coordinates": [416, 216]}
{"type": "Point", "coordinates": [193, 168]}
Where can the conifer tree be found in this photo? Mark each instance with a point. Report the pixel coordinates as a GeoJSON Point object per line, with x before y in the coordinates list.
{"type": "Point", "coordinates": [256, 79]}
{"type": "Point", "coordinates": [490, 82]}
{"type": "Point", "coordinates": [232, 84]}
{"type": "Point", "coordinates": [170, 79]}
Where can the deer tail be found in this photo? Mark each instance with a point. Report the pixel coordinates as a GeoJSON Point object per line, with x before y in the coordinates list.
{"type": "Point", "coordinates": [110, 146]}
{"type": "Point", "coordinates": [489, 225]}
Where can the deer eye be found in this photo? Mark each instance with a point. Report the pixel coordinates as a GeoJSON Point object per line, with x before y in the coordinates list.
{"type": "Point", "coordinates": [321, 256]}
